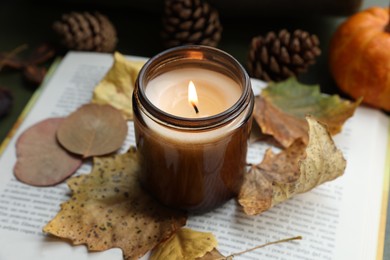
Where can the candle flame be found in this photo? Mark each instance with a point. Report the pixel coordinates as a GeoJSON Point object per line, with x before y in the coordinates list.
{"type": "Point", "coordinates": [195, 55]}
{"type": "Point", "coordinates": [192, 96]}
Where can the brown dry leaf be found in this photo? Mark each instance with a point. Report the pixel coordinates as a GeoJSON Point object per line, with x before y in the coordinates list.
{"type": "Point", "coordinates": [297, 169]}
{"type": "Point", "coordinates": [34, 74]}
{"type": "Point", "coordinates": [281, 109]}
{"type": "Point", "coordinates": [93, 130]}
{"type": "Point", "coordinates": [10, 62]}
{"type": "Point", "coordinates": [116, 88]}
{"type": "Point", "coordinates": [109, 209]}
{"type": "Point", "coordinates": [41, 54]}
{"type": "Point", "coordinates": [185, 244]}
{"type": "Point", "coordinates": [41, 161]}
{"type": "Point", "coordinates": [9, 59]}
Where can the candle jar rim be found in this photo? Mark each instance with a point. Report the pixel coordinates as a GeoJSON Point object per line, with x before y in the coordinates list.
{"type": "Point", "coordinates": [194, 53]}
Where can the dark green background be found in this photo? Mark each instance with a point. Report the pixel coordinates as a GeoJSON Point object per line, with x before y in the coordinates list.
{"type": "Point", "coordinates": [138, 26]}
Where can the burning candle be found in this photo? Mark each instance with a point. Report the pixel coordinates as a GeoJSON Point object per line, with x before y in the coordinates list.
{"type": "Point", "coordinates": [192, 118]}
{"type": "Point", "coordinates": [171, 91]}
{"type": "Point", "coordinates": [193, 96]}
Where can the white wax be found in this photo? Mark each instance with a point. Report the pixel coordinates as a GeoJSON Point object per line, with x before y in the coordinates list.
{"type": "Point", "coordinates": [216, 92]}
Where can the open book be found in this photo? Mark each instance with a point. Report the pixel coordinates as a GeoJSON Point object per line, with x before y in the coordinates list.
{"type": "Point", "coordinates": [342, 219]}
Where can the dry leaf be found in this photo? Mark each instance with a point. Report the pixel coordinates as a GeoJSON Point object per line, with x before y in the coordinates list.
{"type": "Point", "coordinates": [10, 62]}
{"type": "Point", "coordinates": [93, 130]}
{"type": "Point", "coordinates": [281, 108]}
{"type": "Point", "coordinates": [41, 161]}
{"type": "Point", "coordinates": [9, 59]}
{"type": "Point", "coordinates": [34, 74]}
{"type": "Point", "coordinates": [295, 170]}
{"type": "Point", "coordinates": [41, 54]}
{"type": "Point", "coordinates": [116, 88]}
{"type": "Point", "coordinates": [185, 244]}
{"type": "Point", "coordinates": [109, 209]}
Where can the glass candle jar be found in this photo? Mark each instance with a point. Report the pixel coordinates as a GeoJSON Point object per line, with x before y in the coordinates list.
{"type": "Point", "coordinates": [192, 155]}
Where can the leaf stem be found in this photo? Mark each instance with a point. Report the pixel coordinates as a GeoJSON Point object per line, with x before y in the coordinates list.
{"type": "Point", "coordinates": [264, 245]}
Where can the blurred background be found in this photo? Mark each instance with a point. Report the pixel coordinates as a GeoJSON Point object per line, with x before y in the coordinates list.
{"type": "Point", "coordinates": [138, 25]}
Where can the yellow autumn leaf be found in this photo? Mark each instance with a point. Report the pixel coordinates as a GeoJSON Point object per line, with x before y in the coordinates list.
{"type": "Point", "coordinates": [109, 209]}
{"type": "Point", "coordinates": [214, 255]}
{"type": "Point", "coordinates": [185, 244]}
{"type": "Point", "coordinates": [116, 88]}
{"type": "Point", "coordinates": [297, 169]}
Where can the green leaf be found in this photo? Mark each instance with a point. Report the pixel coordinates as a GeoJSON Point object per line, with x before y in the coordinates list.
{"type": "Point", "coordinates": [281, 109]}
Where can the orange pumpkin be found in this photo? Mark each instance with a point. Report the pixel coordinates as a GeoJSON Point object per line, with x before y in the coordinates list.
{"type": "Point", "coordinates": [360, 57]}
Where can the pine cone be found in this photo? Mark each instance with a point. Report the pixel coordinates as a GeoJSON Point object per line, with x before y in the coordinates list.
{"type": "Point", "coordinates": [277, 57]}
{"type": "Point", "coordinates": [86, 32]}
{"type": "Point", "coordinates": [190, 22]}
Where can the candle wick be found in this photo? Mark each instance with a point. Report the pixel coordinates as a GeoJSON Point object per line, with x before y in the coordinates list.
{"type": "Point", "coordinates": [196, 108]}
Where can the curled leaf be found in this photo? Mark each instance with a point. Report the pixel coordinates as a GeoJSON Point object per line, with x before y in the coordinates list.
{"type": "Point", "coordinates": [185, 244]}
{"type": "Point", "coordinates": [116, 88]}
{"type": "Point", "coordinates": [109, 209]}
{"type": "Point", "coordinates": [41, 161]}
{"type": "Point", "coordinates": [297, 169]}
{"type": "Point", "coordinates": [281, 108]}
{"type": "Point", "coordinates": [93, 130]}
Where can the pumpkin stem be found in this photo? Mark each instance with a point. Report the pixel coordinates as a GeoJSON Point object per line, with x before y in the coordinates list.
{"type": "Point", "coordinates": [387, 28]}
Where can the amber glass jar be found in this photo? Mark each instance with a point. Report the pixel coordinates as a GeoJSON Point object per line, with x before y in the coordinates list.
{"type": "Point", "coordinates": [193, 162]}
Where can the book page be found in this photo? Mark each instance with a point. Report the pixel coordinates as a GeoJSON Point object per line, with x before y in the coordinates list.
{"type": "Point", "coordinates": [338, 220]}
